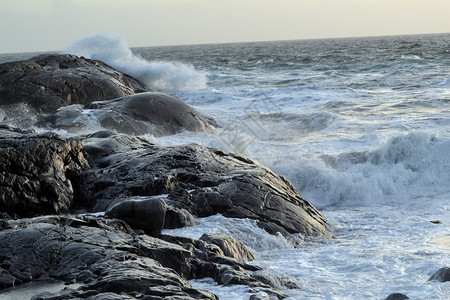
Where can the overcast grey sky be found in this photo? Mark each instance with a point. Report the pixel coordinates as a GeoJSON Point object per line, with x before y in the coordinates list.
{"type": "Point", "coordinates": [39, 25]}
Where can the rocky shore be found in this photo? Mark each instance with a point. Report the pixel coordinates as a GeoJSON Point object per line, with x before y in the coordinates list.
{"type": "Point", "coordinates": [85, 213]}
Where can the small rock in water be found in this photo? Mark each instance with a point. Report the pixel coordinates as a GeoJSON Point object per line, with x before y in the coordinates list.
{"type": "Point", "coordinates": [397, 296]}
{"type": "Point", "coordinates": [442, 275]}
{"type": "Point", "coordinates": [229, 246]}
{"type": "Point", "coordinates": [437, 222]}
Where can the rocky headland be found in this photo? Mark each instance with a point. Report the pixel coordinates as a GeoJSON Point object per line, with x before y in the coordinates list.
{"type": "Point", "coordinates": [84, 213]}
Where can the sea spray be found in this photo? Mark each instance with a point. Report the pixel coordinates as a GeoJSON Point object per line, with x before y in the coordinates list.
{"type": "Point", "coordinates": [160, 75]}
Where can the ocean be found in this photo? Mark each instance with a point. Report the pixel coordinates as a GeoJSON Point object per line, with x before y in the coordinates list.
{"type": "Point", "coordinates": [360, 126]}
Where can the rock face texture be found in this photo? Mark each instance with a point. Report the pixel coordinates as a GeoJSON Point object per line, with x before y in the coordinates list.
{"type": "Point", "coordinates": [37, 172]}
{"type": "Point", "coordinates": [144, 113]}
{"type": "Point", "coordinates": [199, 180]}
{"type": "Point", "coordinates": [48, 82]}
{"type": "Point", "coordinates": [149, 187]}
{"type": "Point", "coordinates": [103, 258]}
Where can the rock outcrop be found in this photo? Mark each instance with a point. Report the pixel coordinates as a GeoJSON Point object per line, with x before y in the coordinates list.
{"type": "Point", "coordinates": [38, 172]}
{"type": "Point", "coordinates": [102, 257]}
{"type": "Point", "coordinates": [142, 187]}
{"type": "Point", "coordinates": [48, 82]}
{"type": "Point", "coordinates": [197, 179]}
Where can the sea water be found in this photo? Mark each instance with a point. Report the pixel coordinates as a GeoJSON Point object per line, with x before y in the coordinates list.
{"type": "Point", "coordinates": [361, 127]}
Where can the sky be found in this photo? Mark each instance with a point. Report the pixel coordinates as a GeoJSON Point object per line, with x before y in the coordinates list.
{"type": "Point", "coordinates": [52, 25]}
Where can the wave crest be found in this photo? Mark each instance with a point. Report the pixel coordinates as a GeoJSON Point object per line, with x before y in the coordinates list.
{"type": "Point", "coordinates": [407, 167]}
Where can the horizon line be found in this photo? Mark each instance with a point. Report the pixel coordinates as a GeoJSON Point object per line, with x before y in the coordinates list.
{"type": "Point", "coordinates": [251, 41]}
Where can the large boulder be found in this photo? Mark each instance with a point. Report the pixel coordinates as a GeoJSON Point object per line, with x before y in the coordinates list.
{"type": "Point", "coordinates": [38, 172]}
{"type": "Point", "coordinates": [48, 82]}
{"type": "Point", "coordinates": [148, 213]}
{"type": "Point", "coordinates": [200, 180]}
{"type": "Point", "coordinates": [145, 113]}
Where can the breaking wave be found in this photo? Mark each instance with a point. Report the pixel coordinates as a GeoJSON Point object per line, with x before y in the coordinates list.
{"type": "Point", "coordinates": [160, 75]}
{"type": "Point", "coordinates": [407, 167]}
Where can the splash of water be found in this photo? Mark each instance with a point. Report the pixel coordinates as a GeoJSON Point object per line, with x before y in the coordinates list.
{"type": "Point", "coordinates": [160, 75]}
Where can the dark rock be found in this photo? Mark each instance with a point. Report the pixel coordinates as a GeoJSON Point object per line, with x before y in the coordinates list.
{"type": "Point", "coordinates": [102, 255]}
{"type": "Point", "coordinates": [146, 213]}
{"type": "Point", "coordinates": [442, 275]}
{"type": "Point", "coordinates": [436, 222]}
{"type": "Point", "coordinates": [101, 258]}
{"type": "Point", "coordinates": [239, 276]}
{"type": "Point", "coordinates": [167, 254]}
{"type": "Point", "coordinates": [397, 296]}
{"type": "Point", "coordinates": [38, 172]}
{"type": "Point", "coordinates": [178, 218]}
{"type": "Point", "coordinates": [145, 113]}
{"type": "Point", "coordinates": [199, 180]}
{"type": "Point", "coordinates": [70, 118]}
{"type": "Point", "coordinates": [149, 112]}
{"type": "Point", "coordinates": [48, 82]}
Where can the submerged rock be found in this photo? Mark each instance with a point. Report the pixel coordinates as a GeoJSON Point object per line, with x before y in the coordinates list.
{"type": "Point", "coordinates": [48, 82]}
{"type": "Point", "coordinates": [38, 172]}
{"type": "Point", "coordinates": [200, 180]}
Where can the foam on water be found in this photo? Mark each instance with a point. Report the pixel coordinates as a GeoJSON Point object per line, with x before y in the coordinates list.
{"type": "Point", "coordinates": [404, 168]}
{"type": "Point", "coordinates": [244, 230]}
{"type": "Point", "coordinates": [162, 75]}
{"type": "Point", "coordinates": [396, 243]}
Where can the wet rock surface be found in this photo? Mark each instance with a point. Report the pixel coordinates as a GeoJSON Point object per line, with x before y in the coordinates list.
{"type": "Point", "coordinates": [46, 83]}
{"type": "Point", "coordinates": [144, 113]}
{"type": "Point", "coordinates": [146, 214]}
{"type": "Point", "coordinates": [38, 172]}
{"type": "Point", "coordinates": [200, 180]}
{"type": "Point", "coordinates": [104, 258]}
{"type": "Point", "coordinates": [104, 255]}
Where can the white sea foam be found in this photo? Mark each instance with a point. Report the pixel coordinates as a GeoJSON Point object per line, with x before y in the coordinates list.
{"type": "Point", "coordinates": [161, 75]}
{"type": "Point", "coordinates": [406, 167]}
